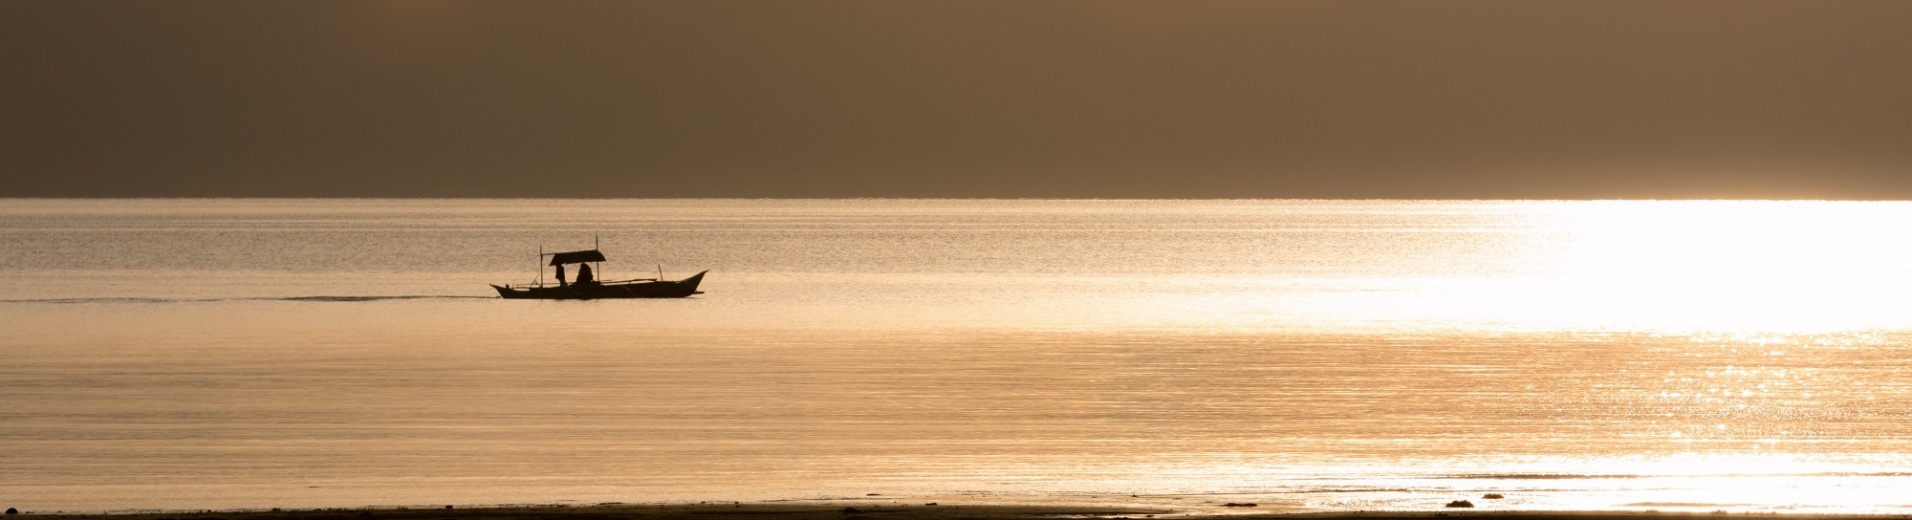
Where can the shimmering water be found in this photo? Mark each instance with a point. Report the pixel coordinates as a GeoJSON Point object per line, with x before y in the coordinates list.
{"type": "Point", "coordinates": [1303, 355]}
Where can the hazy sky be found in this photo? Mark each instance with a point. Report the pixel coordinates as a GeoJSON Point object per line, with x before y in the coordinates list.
{"type": "Point", "coordinates": [974, 98]}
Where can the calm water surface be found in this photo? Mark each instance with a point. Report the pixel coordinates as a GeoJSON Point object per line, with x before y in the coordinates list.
{"type": "Point", "coordinates": [1303, 355]}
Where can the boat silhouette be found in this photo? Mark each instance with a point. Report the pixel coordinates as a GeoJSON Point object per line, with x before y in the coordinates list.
{"type": "Point", "coordinates": [590, 289]}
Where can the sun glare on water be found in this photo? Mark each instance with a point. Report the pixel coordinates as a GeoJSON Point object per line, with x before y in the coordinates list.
{"type": "Point", "coordinates": [1730, 266]}
{"type": "Point", "coordinates": [1737, 266]}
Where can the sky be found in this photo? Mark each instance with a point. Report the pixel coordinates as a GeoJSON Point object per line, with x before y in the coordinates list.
{"type": "Point", "coordinates": [974, 98]}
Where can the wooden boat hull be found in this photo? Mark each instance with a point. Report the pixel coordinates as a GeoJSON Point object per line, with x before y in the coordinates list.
{"type": "Point", "coordinates": [593, 291]}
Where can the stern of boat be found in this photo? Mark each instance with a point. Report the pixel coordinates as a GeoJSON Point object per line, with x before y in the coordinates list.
{"type": "Point", "coordinates": [507, 292]}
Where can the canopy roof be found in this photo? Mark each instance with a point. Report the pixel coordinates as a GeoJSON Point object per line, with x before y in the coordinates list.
{"type": "Point", "coordinates": [576, 257]}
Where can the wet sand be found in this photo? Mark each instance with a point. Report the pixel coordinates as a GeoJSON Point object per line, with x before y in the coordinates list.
{"type": "Point", "coordinates": [869, 511]}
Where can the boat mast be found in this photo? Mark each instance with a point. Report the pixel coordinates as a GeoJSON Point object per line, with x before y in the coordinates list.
{"type": "Point", "coordinates": [540, 265]}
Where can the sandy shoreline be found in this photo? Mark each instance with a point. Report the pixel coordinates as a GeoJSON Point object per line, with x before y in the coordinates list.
{"type": "Point", "coordinates": [866, 511]}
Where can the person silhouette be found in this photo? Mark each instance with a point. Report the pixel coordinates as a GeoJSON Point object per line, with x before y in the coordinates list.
{"type": "Point", "coordinates": [561, 282]}
{"type": "Point", "coordinates": [584, 274]}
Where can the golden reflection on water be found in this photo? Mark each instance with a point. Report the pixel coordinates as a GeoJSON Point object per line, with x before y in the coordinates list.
{"type": "Point", "coordinates": [1323, 355]}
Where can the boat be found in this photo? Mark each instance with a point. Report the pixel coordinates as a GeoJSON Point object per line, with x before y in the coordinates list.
{"type": "Point", "coordinates": [596, 289]}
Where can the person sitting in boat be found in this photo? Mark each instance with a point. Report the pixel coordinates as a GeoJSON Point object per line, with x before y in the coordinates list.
{"type": "Point", "coordinates": [561, 282]}
{"type": "Point", "coordinates": [584, 274]}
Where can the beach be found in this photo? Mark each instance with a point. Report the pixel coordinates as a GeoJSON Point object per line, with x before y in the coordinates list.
{"type": "Point", "coordinates": [888, 509]}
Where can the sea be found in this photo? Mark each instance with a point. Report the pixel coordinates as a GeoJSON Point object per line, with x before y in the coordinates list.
{"type": "Point", "coordinates": [1298, 355]}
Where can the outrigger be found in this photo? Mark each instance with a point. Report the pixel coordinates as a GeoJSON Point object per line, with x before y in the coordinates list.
{"type": "Point", "coordinates": [594, 289]}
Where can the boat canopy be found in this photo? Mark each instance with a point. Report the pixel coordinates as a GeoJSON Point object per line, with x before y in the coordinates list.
{"type": "Point", "coordinates": [576, 257]}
